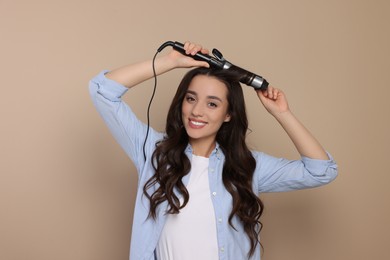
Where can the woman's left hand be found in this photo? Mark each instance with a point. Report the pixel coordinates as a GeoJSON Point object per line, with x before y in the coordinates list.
{"type": "Point", "coordinates": [274, 100]}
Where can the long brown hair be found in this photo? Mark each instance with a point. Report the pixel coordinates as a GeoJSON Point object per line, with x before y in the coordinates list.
{"type": "Point", "coordinates": [172, 164]}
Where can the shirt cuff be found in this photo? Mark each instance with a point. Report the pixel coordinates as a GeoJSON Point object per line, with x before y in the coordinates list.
{"type": "Point", "coordinates": [108, 88]}
{"type": "Point", "coordinates": [318, 167]}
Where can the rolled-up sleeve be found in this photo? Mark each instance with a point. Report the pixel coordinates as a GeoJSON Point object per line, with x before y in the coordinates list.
{"type": "Point", "coordinates": [106, 87]}
{"type": "Point", "coordinates": [279, 174]}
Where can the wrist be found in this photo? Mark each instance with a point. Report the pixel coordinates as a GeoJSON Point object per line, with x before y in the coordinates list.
{"type": "Point", "coordinates": [164, 64]}
{"type": "Point", "coordinates": [283, 115]}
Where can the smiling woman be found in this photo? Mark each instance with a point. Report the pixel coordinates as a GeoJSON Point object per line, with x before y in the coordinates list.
{"type": "Point", "coordinates": [200, 175]}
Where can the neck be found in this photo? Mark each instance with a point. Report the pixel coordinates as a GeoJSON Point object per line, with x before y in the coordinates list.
{"type": "Point", "coordinates": [202, 148]}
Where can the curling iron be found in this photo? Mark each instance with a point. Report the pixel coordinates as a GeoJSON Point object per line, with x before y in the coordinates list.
{"type": "Point", "coordinates": [218, 61]}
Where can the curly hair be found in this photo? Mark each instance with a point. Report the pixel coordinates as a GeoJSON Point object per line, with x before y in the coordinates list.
{"type": "Point", "coordinates": [172, 164]}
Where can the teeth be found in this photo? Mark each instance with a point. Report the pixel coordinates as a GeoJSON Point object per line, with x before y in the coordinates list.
{"type": "Point", "coordinates": [197, 123]}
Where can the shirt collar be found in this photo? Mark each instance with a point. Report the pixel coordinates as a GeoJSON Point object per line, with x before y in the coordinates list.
{"type": "Point", "coordinates": [216, 152]}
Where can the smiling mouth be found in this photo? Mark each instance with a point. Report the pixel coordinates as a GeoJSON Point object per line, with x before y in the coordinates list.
{"type": "Point", "coordinates": [197, 123]}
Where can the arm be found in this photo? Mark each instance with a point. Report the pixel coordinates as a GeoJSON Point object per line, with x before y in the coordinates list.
{"type": "Point", "coordinates": [135, 74]}
{"type": "Point", "coordinates": [274, 100]}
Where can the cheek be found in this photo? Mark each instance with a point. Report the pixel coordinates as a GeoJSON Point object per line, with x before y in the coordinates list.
{"type": "Point", "coordinates": [219, 119]}
{"type": "Point", "coordinates": [184, 108]}
{"type": "Point", "coordinates": [185, 112]}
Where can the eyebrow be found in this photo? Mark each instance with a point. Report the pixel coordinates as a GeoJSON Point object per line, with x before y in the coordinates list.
{"type": "Point", "coordinates": [209, 97]}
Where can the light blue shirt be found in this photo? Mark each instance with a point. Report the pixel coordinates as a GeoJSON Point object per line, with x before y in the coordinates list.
{"type": "Point", "coordinates": [271, 175]}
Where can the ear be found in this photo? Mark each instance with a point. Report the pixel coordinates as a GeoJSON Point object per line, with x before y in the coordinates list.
{"type": "Point", "coordinates": [227, 118]}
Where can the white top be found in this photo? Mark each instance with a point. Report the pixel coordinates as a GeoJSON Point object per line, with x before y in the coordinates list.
{"type": "Point", "coordinates": [192, 234]}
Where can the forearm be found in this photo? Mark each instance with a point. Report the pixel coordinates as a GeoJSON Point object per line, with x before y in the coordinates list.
{"type": "Point", "coordinates": [134, 74]}
{"type": "Point", "coordinates": [306, 144]}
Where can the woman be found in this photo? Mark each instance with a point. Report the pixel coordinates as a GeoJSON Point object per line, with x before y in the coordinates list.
{"type": "Point", "coordinates": [198, 184]}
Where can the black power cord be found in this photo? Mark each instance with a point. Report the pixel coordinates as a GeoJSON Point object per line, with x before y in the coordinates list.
{"type": "Point", "coordinates": [165, 44]}
{"type": "Point", "coordinates": [150, 102]}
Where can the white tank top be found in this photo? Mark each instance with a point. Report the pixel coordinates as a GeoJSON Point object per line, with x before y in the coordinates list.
{"type": "Point", "coordinates": [191, 234]}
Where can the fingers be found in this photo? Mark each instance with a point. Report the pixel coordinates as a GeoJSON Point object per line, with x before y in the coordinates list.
{"type": "Point", "coordinates": [186, 60]}
{"type": "Point", "coordinates": [192, 48]}
{"type": "Point", "coordinates": [274, 100]}
{"type": "Point", "coordinates": [272, 93]}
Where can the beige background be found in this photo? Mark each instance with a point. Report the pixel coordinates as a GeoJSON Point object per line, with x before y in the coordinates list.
{"type": "Point", "coordinates": [66, 187]}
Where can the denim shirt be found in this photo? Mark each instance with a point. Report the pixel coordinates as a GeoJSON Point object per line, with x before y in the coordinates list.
{"type": "Point", "coordinates": [271, 175]}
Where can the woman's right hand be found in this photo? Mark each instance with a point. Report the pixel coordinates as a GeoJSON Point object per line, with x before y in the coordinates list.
{"type": "Point", "coordinates": [133, 74]}
{"type": "Point", "coordinates": [183, 61]}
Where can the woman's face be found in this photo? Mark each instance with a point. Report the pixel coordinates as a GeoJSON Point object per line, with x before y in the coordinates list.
{"type": "Point", "coordinates": [205, 108]}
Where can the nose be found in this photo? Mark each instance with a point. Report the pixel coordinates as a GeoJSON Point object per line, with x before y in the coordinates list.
{"type": "Point", "coordinates": [197, 110]}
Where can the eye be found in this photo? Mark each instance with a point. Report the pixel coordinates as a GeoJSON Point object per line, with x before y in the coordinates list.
{"type": "Point", "coordinates": [190, 99]}
{"type": "Point", "coordinates": [212, 104]}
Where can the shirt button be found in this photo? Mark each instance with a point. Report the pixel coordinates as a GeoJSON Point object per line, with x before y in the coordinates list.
{"type": "Point", "coordinates": [211, 170]}
{"type": "Point", "coordinates": [214, 193]}
{"type": "Point", "coordinates": [219, 220]}
{"type": "Point", "coordinates": [222, 249]}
